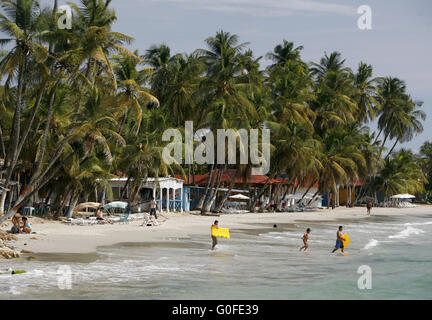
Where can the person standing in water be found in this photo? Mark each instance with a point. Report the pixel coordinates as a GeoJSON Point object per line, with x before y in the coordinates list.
{"type": "Point", "coordinates": [305, 240]}
{"type": "Point", "coordinates": [339, 242]}
{"type": "Point", "coordinates": [369, 208]}
{"type": "Point", "coordinates": [214, 239]}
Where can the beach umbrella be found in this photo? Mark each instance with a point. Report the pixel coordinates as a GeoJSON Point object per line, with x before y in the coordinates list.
{"type": "Point", "coordinates": [403, 196]}
{"type": "Point", "coordinates": [116, 205]}
{"type": "Point", "coordinates": [239, 197]}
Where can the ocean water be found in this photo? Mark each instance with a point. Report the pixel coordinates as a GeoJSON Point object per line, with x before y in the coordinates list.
{"type": "Point", "coordinates": [263, 263]}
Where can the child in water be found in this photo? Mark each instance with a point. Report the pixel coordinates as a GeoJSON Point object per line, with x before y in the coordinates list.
{"type": "Point", "coordinates": [305, 240]}
{"type": "Point", "coordinates": [214, 239]}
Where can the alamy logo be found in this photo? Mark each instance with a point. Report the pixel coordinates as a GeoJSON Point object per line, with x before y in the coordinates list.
{"type": "Point", "coordinates": [364, 22]}
{"type": "Point", "coordinates": [365, 280]}
{"type": "Point", "coordinates": [64, 280]}
{"type": "Point", "coordinates": [65, 20]}
{"type": "Point", "coordinates": [248, 143]}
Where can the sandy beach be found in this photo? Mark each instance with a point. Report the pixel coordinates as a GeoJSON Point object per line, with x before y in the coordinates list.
{"type": "Point", "coordinates": [56, 237]}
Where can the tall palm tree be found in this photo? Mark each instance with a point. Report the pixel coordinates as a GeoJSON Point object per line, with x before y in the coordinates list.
{"type": "Point", "coordinates": [401, 174]}
{"type": "Point", "coordinates": [398, 118]}
{"type": "Point", "coordinates": [365, 93]}
{"type": "Point", "coordinates": [132, 93]}
{"type": "Point", "coordinates": [94, 20]}
{"type": "Point", "coordinates": [283, 53]}
{"type": "Point", "coordinates": [334, 62]}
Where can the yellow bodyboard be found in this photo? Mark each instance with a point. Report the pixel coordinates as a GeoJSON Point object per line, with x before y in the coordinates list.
{"type": "Point", "coordinates": [345, 240]}
{"type": "Point", "coordinates": [220, 232]}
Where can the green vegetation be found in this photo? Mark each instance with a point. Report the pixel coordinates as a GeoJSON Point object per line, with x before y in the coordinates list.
{"type": "Point", "coordinates": [77, 108]}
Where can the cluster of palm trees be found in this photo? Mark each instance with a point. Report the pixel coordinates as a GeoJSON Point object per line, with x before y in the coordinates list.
{"type": "Point", "coordinates": [78, 108]}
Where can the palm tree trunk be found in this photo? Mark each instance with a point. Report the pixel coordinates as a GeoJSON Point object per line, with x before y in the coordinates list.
{"type": "Point", "coordinates": [231, 186]}
{"type": "Point", "coordinates": [2, 145]}
{"type": "Point", "coordinates": [213, 193]}
{"type": "Point", "coordinates": [275, 195]}
{"type": "Point", "coordinates": [310, 201]}
{"type": "Point", "coordinates": [13, 145]}
{"type": "Point", "coordinates": [286, 191]}
{"type": "Point", "coordinates": [31, 118]}
{"type": "Point", "coordinates": [261, 192]}
{"type": "Point", "coordinates": [203, 197]}
{"type": "Point", "coordinates": [42, 149]}
{"type": "Point", "coordinates": [124, 188]}
{"type": "Point", "coordinates": [308, 189]}
{"type": "Point", "coordinates": [40, 182]}
{"type": "Point", "coordinates": [376, 139]}
{"type": "Point", "coordinates": [385, 140]}
{"type": "Point", "coordinates": [391, 150]}
{"type": "Point", "coordinates": [2, 202]}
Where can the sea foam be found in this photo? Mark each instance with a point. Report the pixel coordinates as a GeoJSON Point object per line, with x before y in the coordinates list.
{"type": "Point", "coordinates": [408, 231]}
{"type": "Point", "coordinates": [372, 243]}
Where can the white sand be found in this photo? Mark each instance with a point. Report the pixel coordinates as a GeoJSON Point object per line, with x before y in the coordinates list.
{"type": "Point", "coordinates": [56, 237]}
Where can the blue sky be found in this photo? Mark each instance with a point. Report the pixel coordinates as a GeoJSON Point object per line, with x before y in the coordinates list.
{"type": "Point", "coordinates": [398, 45]}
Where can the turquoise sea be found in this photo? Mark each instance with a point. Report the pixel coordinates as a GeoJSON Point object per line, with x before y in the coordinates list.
{"type": "Point", "coordinates": [263, 263]}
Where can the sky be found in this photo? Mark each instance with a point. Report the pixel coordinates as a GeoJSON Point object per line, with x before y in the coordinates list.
{"type": "Point", "coordinates": [398, 45]}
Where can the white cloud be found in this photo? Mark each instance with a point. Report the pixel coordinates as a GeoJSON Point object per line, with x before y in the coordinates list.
{"type": "Point", "coordinates": [268, 7]}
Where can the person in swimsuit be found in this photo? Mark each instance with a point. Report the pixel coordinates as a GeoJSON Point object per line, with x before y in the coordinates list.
{"type": "Point", "coordinates": [305, 240]}
{"type": "Point", "coordinates": [26, 228]}
{"type": "Point", "coordinates": [16, 221]}
{"type": "Point", "coordinates": [214, 225]}
{"type": "Point", "coordinates": [100, 217]}
{"type": "Point", "coordinates": [369, 207]}
{"type": "Point", "coordinates": [153, 207]}
{"type": "Point", "coordinates": [339, 242]}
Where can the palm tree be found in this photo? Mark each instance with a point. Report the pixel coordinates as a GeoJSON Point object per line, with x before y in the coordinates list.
{"type": "Point", "coordinates": [291, 90]}
{"type": "Point", "coordinates": [333, 104]}
{"type": "Point", "coordinates": [132, 92]}
{"type": "Point", "coordinates": [224, 91]}
{"type": "Point", "coordinates": [398, 118]}
{"type": "Point", "coordinates": [401, 174]}
{"type": "Point", "coordinates": [327, 64]}
{"type": "Point", "coordinates": [159, 59]}
{"type": "Point", "coordinates": [96, 40]}
{"type": "Point", "coordinates": [426, 162]}
{"type": "Point", "coordinates": [180, 99]}
{"type": "Point", "coordinates": [283, 53]}
{"type": "Point", "coordinates": [341, 160]}
{"type": "Point", "coordinates": [22, 25]}
{"type": "Point", "coordinates": [365, 93]}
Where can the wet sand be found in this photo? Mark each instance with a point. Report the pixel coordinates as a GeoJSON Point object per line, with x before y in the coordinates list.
{"type": "Point", "coordinates": [56, 237]}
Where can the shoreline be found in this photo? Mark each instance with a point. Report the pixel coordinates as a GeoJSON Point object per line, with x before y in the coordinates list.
{"type": "Point", "coordinates": [55, 238]}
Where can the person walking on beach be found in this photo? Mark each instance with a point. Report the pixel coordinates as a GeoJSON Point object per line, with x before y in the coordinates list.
{"type": "Point", "coordinates": [214, 239]}
{"type": "Point", "coordinates": [153, 206]}
{"type": "Point", "coordinates": [305, 240]}
{"type": "Point", "coordinates": [369, 208]}
{"type": "Point", "coordinates": [339, 238]}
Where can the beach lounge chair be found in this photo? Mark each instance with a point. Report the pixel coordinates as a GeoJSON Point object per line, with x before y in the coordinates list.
{"type": "Point", "coordinates": [124, 218]}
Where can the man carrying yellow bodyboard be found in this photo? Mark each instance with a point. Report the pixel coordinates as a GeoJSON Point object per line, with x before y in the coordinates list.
{"type": "Point", "coordinates": [340, 240]}
{"type": "Point", "coordinates": [218, 232]}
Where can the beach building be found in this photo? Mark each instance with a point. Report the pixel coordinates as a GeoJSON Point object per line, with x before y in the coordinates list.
{"type": "Point", "coordinates": [286, 193]}
{"type": "Point", "coordinates": [168, 192]}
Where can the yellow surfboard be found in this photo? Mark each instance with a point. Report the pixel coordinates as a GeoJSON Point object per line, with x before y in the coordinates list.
{"type": "Point", "coordinates": [220, 232]}
{"type": "Point", "coordinates": [345, 240]}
